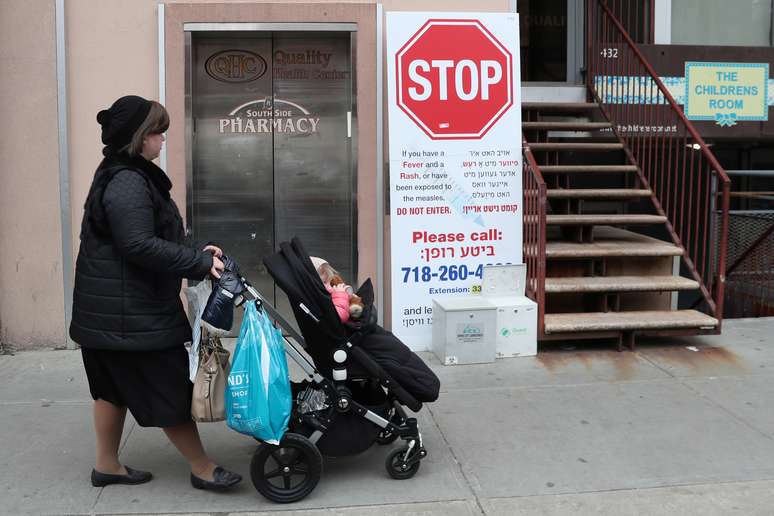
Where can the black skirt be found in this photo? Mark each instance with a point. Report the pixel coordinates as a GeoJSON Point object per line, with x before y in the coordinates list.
{"type": "Point", "coordinates": [153, 385]}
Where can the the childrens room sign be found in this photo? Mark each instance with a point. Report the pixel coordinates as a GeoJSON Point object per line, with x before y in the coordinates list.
{"type": "Point", "coordinates": [726, 92]}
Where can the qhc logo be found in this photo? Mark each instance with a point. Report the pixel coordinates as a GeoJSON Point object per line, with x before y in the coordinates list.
{"type": "Point", "coordinates": [269, 115]}
{"type": "Point", "coordinates": [235, 66]}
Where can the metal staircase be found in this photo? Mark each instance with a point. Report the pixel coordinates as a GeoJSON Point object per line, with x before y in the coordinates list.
{"type": "Point", "coordinates": [616, 222]}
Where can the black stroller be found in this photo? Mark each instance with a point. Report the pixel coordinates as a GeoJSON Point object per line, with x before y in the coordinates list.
{"type": "Point", "coordinates": [354, 392]}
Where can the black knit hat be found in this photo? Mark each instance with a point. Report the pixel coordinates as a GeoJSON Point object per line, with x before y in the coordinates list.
{"type": "Point", "coordinates": [122, 119]}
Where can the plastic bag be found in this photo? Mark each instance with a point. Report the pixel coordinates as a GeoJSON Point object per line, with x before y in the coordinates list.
{"type": "Point", "coordinates": [197, 300]}
{"type": "Point", "coordinates": [258, 396]}
{"type": "Point", "coordinates": [311, 400]}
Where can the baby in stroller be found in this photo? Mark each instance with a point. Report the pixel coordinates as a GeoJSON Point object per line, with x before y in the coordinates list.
{"type": "Point", "coordinates": [348, 304]}
{"type": "Point", "coordinates": [359, 380]}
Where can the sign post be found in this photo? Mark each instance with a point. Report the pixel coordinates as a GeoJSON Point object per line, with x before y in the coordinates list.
{"type": "Point", "coordinates": [455, 158]}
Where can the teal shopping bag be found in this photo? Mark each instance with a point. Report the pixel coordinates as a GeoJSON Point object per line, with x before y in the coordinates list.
{"type": "Point", "coordinates": [258, 397]}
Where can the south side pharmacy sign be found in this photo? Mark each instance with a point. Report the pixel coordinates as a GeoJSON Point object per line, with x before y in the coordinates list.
{"type": "Point", "coordinates": [726, 92]}
{"type": "Point", "coordinates": [455, 158]}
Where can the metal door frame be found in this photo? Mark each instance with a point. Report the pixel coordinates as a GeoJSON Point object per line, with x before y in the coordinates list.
{"type": "Point", "coordinates": [270, 27]}
{"type": "Point", "coordinates": [190, 28]}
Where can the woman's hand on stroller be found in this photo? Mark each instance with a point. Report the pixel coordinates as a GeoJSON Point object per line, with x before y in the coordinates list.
{"type": "Point", "coordinates": [217, 267]}
{"type": "Point", "coordinates": [215, 250]}
{"type": "Point", "coordinates": [217, 263]}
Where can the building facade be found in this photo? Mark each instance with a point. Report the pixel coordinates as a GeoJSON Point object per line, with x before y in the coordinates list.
{"type": "Point", "coordinates": [278, 120]}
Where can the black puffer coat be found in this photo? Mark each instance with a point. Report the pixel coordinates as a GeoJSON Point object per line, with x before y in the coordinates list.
{"type": "Point", "coordinates": [132, 258]}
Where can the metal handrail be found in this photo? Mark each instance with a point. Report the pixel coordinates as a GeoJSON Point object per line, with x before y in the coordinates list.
{"type": "Point", "coordinates": [668, 96]}
{"type": "Point", "coordinates": [534, 234]}
{"type": "Point", "coordinates": [649, 151]}
{"type": "Point", "coordinates": [533, 164]}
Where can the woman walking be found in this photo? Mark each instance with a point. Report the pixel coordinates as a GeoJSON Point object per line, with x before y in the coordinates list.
{"type": "Point", "coordinates": [127, 314]}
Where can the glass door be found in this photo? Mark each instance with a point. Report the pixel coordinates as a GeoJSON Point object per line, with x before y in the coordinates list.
{"type": "Point", "coordinates": [231, 181]}
{"type": "Point", "coordinates": [552, 47]}
{"type": "Point", "coordinates": [271, 138]}
{"type": "Point", "coordinates": [314, 180]}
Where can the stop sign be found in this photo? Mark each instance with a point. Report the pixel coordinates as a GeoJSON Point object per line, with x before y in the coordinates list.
{"type": "Point", "coordinates": [454, 79]}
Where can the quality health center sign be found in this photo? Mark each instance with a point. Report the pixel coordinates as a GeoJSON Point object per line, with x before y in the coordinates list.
{"type": "Point", "coordinates": [455, 158]}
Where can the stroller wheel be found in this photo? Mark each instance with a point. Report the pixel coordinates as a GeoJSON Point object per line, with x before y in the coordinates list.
{"type": "Point", "coordinates": [398, 467]}
{"type": "Point", "coordinates": [288, 472]}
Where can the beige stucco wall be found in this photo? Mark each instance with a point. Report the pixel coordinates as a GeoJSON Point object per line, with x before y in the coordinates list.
{"type": "Point", "coordinates": [31, 292]}
{"type": "Point", "coordinates": [112, 50]}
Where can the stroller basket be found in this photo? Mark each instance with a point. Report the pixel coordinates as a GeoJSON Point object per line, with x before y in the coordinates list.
{"type": "Point", "coordinates": [347, 401]}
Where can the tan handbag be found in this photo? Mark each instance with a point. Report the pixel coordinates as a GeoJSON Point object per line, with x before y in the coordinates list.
{"type": "Point", "coordinates": [207, 403]}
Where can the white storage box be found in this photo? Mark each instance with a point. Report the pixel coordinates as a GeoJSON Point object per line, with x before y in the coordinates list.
{"type": "Point", "coordinates": [503, 286]}
{"type": "Point", "coordinates": [464, 330]}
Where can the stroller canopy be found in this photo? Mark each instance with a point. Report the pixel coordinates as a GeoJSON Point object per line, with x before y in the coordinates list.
{"type": "Point", "coordinates": [293, 271]}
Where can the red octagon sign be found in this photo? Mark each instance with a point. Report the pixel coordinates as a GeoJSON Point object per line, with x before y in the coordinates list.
{"type": "Point", "coordinates": [454, 79]}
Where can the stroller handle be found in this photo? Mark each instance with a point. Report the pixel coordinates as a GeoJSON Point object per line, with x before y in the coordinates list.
{"type": "Point", "coordinates": [258, 297]}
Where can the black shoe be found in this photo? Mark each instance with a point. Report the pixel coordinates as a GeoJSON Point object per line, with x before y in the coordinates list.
{"type": "Point", "coordinates": [221, 479]}
{"type": "Point", "coordinates": [132, 477]}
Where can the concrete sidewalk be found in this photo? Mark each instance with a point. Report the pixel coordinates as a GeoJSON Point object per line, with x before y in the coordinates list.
{"type": "Point", "coordinates": [664, 430]}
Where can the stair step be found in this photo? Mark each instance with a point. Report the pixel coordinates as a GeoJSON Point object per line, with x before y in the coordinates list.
{"type": "Point", "coordinates": [593, 220]}
{"type": "Point", "coordinates": [574, 169]}
{"type": "Point", "coordinates": [568, 146]}
{"type": "Point", "coordinates": [628, 321]}
{"type": "Point", "coordinates": [565, 126]}
{"type": "Point", "coordinates": [597, 193]}
{"type": "Point", "coordinates": [619, 284]}
{"type": "Point", "coordinates": [612, 242]}
{"type": "Point", "coordinates": [559, 106]}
